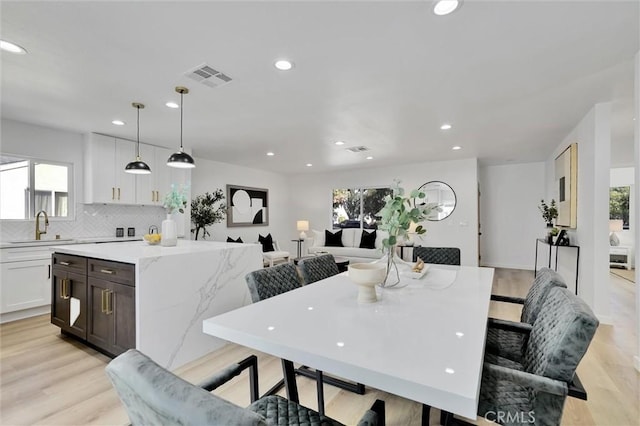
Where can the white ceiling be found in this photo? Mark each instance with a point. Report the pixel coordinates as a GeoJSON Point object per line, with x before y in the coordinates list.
{"type": "Point", "coordinates": [512, 77]}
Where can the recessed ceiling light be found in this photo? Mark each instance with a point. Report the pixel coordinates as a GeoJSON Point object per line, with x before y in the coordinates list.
{"type": "Point", "coordinates": [118, 122]}
{"type": "Point", "coordinates": [309, 164]}
{"type": "Point", "coordinates": [455, 148]}
{"type": "Point", "coordinates": [445, 7]}
{"type": "Point", "coordinates": [339, 143]}
{"type": "Point", "coordinates": [172, 105]}
{"type": "Point", "coordinates": [369, 158]}
{"type": "Point", "coordinates": [270, 154]}
{"type": "Point", "coordinates": [13, 48]}
{"type": "Point", "coordinates": [445, 126]}
{"type": "Point", "coordinates": [283, 64]}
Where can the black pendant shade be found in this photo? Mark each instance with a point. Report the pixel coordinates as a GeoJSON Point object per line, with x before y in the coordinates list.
{"type": "Point", "coordinates": [181, 159]}
{"type": "Point", "coordinates": [138, 166]}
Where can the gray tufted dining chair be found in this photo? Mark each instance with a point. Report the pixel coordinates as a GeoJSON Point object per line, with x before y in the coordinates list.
{"type": "Point", "coordinates": [504, 337]}
{"type": "Point", "coordinates": [437, 255]}
{"type": "Point", "coordinates": [534, 389]}
{"type": "Point", "coordinates": [153, 395]}
{"type": "Point", "coordinates": [269, 282]}
{"type": "Point", "coordinates": [318, 268]}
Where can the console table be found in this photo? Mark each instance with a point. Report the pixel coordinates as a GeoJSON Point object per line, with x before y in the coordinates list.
{"type": "Point", "coordinates": [555, 267]}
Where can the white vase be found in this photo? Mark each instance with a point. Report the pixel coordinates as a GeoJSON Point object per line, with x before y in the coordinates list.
{"type": "Point", "coordinates": [169, 232]}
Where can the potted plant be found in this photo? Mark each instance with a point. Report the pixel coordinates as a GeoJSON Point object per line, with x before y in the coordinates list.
{"type": "Point", "coordinates": [206, 210]}
{"type": "Point", "coordinates": [549, 212]}
{"type": "Point", "coordinates": [175, 201]}
{"type": "Point", "coordinates": [397, 216]}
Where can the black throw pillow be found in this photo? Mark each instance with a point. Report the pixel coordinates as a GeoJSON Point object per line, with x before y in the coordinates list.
{"type": "Point", "coordinates": [333, 240]}
{"type": "Point", "coordinates": [267, 243]}
{"type": "Point", "coordinates": [231, 240]}
{"type": "Point", "coordinates": [368, 240]}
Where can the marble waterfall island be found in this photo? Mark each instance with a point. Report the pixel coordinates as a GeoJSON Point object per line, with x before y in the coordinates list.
{"type": "Point", "coordinates": [176, 288]}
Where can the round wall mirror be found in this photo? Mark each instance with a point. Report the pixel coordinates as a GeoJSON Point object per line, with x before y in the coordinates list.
{"type": "Point", "coordinates": [441, 194]}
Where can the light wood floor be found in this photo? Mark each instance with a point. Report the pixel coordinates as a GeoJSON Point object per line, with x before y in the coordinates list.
{"type": "Point", "coordinates": [49, 379]}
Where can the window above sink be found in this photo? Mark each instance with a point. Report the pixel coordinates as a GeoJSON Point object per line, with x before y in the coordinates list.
{"type": "Point", "coordinates": [29, 185]}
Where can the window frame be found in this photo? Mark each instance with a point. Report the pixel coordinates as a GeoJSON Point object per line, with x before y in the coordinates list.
{"type": "Point", "coordinates": [362, 189]}
{"type": "Point", "coordinates": [30, 201]}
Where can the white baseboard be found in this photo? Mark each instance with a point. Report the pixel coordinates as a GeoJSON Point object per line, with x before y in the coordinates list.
{"type": "Point", "coordinates": [25, 313]}
{"type": "Point", "coordinates": [605, 319]}
{"type": "Point", "coordinates": [506, 266]}
{"type": "Point", "coordinates": [636, 362]}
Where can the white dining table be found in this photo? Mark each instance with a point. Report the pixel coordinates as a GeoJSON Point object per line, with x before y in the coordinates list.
{"type": "Point", "coordinates": [423, 341]}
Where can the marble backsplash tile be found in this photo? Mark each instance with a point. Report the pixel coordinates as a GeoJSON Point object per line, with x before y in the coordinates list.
{"type": "Point", "coordinates": [92, 220]}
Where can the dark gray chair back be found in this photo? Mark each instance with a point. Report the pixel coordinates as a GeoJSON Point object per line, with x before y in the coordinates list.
{"type": "Point", "coordinates": [560, 336]}
{"type": "Point", "coordinates": [546, 279]}
{"type": "Point", "coordinates": [154, 396]}
{"type": "Point", "coordinates": [318, 268]}
{"type": "Point", "coordinates": [437, 255]}
{"type": "Point", "coordinates": [269, 282]}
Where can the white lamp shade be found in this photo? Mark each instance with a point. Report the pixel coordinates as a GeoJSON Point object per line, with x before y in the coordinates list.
{"type": "Point", "coordinates": [615, 225]}
{"type": "Point", "coordinates": [302, 225]}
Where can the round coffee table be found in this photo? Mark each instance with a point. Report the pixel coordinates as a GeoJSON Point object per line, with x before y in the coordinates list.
{"type": "Point", "coordinates": [342, 262]}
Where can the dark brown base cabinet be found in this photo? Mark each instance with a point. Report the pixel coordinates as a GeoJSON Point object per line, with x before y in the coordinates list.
{"type": "Point", "coordinates": [108, 307]}
{"type": "Point", "coordinates": [69, 294]}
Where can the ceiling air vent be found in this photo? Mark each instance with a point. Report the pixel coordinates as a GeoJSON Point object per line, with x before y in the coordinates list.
{"type": "Point", "coordinates": [360, 148]}
{"type": "Point", "coordinates": [208, 76]}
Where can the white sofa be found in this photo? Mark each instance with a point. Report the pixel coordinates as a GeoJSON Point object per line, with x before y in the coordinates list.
{"type": "Point", "coordinates": [350, 241]}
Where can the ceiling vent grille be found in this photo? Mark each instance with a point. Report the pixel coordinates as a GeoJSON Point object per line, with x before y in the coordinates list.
{"type": "Point", "coordinates": [360, 148]}
{"type": "Point", "coordinates": [208, 76]}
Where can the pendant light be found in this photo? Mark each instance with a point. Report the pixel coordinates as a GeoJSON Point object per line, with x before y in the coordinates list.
{"type": "Point", "coordinates": [138, 166]}
{"type": "Point", "coordinates": [181, 159]}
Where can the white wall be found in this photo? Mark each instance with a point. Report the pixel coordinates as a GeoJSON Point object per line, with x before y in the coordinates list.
{"type": "Point", "coordinates": [624, 177]}
{"type": "Point", "coordinates": [509, 216]}
{"type": "Point", "coordinates": [211, 175]}
{"type": "Point", "coordinates": [636, 100]}
{"type": "Point", "coordinates": [45, 143]}
{"type": "Point", "coordinates": [593, 135]}
{"type": "Point", "coordinates": [311, 199]}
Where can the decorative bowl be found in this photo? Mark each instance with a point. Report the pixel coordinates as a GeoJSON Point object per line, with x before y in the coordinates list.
{"type": "Point", "coordinates": [152, 239]}
{"type": "Point", "coordinates": [367, 276]}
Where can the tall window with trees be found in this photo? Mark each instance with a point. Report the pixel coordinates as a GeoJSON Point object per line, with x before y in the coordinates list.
{"type": "Point", "coordinates": [619, 204]}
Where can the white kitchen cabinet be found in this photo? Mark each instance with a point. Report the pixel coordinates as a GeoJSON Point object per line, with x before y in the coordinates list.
{"type": "Point", "coordinates": [26, 282]}
{"type": "Point", "coordinates": [105, 178]}
{"type": "Point", "coordinates": [152, 188]}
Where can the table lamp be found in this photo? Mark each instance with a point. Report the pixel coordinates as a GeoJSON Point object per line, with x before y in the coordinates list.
{"type": "Point", "coordinates": [302, 225]}
{"type": "Point", "coordinates": [615, 225]}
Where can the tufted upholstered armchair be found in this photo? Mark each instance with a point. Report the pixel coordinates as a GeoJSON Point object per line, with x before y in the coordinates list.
{"type": "Point", "coordinates": [504, 338]}
{"type": "Point", "coordinates": [269, 282]}
{"type": "Point", "coordinates": [437, 255]}
{"type": "Point", "coordinates": [152, 395]}
{"type": "Point", "coordinates": [533, 390]}
{"type": "Point", "coordinates": [318, 268]}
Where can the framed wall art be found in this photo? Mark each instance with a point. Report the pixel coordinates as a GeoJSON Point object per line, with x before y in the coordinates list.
{"type": "Point", "coordinates": [566, 167]}
{"type": "Point", "coordinates": [247, 206]}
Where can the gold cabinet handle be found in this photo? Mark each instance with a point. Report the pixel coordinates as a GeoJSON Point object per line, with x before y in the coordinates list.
{"type": "Point", "coordinates": [113, 193]}
{"type": "Point", "coordinates": [157, 195]}
{"type": "Point", "coordinates": [64, 289]}
{"type": "Point", "coordinates": [64, 263]}
{"type": "Point", "coordinates": [153, 196]}
{"type": "Point", "coordinates": [118, 193]}
{"type": "Point", "coordinates": [107, 271]}
{"type": "Point", "coordinates": [109, 298]}
{"type": "Point", "coordinates": [103, 301]}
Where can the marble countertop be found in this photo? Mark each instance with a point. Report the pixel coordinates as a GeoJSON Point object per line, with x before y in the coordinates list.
{"type": "Point", "coordinates": [64, 241]}
{"type": "Point", "coordinates": [133, 251]}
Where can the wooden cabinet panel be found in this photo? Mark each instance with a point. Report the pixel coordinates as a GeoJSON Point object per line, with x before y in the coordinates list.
{"type": "Point", "coordinates": [123, 334]}
{"type": "Point", "coordinates": [123, 273]}
{"type": "Point", "coordinates": [69, 302]}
